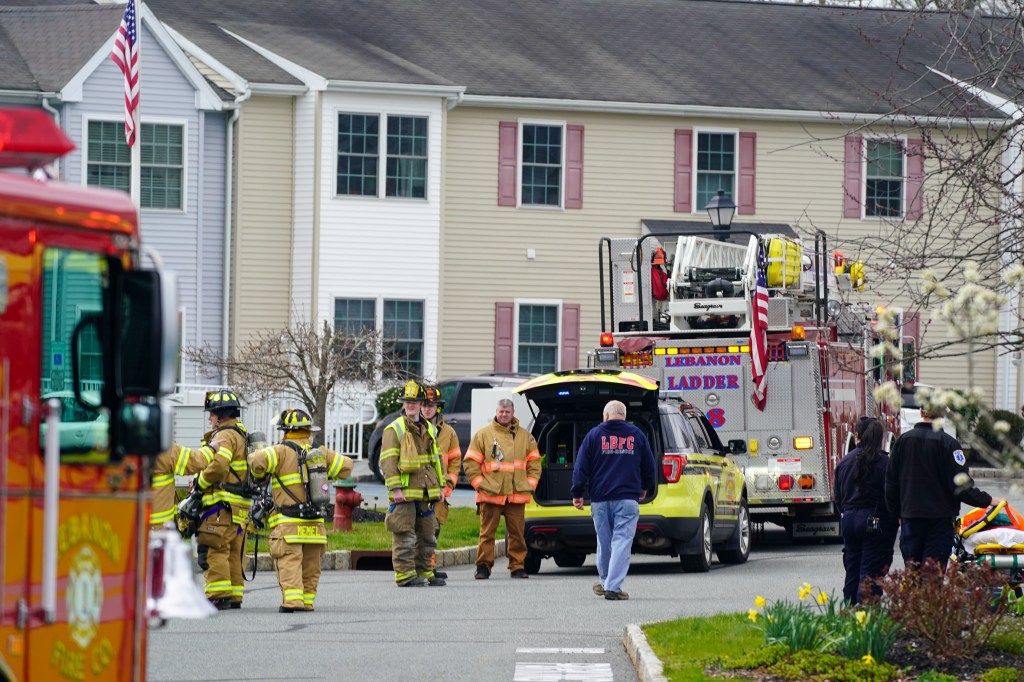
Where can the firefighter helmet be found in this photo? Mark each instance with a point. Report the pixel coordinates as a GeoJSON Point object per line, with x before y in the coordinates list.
{"type": "Point", "coordinates": [412, 392]}
{"type": "Point", "coordinates": [432, 396]}
{"type": "Point", "coordinates": [295, 420]}
{"type": "Point", "coordinates": [221, 399]}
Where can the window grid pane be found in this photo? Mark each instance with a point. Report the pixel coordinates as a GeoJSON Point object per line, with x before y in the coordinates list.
{"type": "Point", "coordinates": [403, 330]}
{"type": "Point", "coordinates": [354, 315]}
{"type": "Point", "coordinates": [162, 154]}
{"type": "Point", "coordinates": [542, 165]}
{"type": "Point", "coordinates": [716, 166]}
{"type": "Point", "coordinates": [358, 152]}
{"type": "Point", "coordinates": [538, 338]}
{"type": "Point", "coordinates": [883, 185]}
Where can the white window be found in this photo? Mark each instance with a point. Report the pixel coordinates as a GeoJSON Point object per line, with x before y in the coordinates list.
{"type": "Point", "coordinates": [537, 336]}
{"type": "Point", "coordinates": [716, 163]}
{"type": "Point", "coordinates": [162, 171]}
{"type": "Point", "coordinates": [362, 161]}
{"type": "Point", "coordinates": [542, 163]}
{"type": "Point", "coordinates": [400, 322]}
{"type": "Point", "coordinates": [884, 178]}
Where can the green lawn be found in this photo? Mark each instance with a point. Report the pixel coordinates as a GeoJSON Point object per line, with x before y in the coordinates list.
{"type": "Point", "coordinates": [461, 530]}
{"type": "Point", "coordinates": [685, 646]}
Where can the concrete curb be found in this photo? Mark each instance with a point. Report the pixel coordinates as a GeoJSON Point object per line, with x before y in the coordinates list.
{"type": "Point", "coordinates": [341, 559]}
{"type": "Point", "coordinates": [1006, 474]}
{"type": "Point", "coordinates": [647, 664]}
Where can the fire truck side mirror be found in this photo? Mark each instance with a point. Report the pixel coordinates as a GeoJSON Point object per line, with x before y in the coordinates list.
{"type": "Point", "coordinates": [147, 354]}
{"type": "Point", "coordinates": [737, 446]}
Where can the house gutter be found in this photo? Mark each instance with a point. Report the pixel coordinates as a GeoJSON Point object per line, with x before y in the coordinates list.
{"type": "Point", "coordinates": [746, 113]}
{"type": "Point", "coordinates": [228, 217]}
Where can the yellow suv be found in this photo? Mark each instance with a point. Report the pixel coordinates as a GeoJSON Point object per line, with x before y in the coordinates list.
{"type": "Point", "coordinates": [698, 506]}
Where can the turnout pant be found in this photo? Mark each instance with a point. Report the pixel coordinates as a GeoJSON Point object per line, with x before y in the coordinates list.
{"type": "Point", "coordinates": [217, 536]}
{"type": "Point", "coordinates": [298, 571]}
{"type": "Point", "coordinates": [515, 525]}
{"type": "Point", "coordinates": [413, 540]}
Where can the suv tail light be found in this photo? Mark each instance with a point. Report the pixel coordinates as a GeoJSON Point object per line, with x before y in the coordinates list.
{"type": "Point", "coordinates": [672, 466]}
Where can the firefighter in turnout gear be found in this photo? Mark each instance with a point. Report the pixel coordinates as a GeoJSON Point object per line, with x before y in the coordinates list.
{"type": "Point", "coordinates": [168, 463]}
{"type": "Point", "coordinates": [502, 463]}
{"type": "Point", "coordinates": [298, 538]}
{"type": "Point", "coordinates": [412, 471]}
{"type": "Point", "coordinates": [448, 449]}
{"type": "Point", "coordinates": [223, 477]}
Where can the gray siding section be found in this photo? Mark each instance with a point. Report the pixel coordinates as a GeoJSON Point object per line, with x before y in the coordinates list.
{"type": "Point", "coordinates": [185, 238]}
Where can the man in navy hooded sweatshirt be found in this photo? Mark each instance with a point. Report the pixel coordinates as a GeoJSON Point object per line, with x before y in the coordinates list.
{"type": "Point", "coordinates": [615, 459]}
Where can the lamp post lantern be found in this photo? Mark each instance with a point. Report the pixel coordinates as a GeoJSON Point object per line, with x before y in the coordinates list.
{"type": "Point", "coordinates": [721, 209]}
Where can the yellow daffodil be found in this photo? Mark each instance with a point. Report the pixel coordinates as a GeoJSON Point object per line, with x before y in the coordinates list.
{"type": "Point", "coordinates": [861, 617]}
{"type": "Point", "coordinates": [822, 598]}
{"type": "Point", "coordinates": [867, 659]}
{"type": "Point", "coordinates": [752, 615]}
{"type": "Point", "coordinates": [805, 590]}
{"type": "Point", "coordinates": [759, 601]}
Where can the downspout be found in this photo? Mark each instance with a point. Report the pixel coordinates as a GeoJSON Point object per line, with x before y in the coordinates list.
{"type": "Point", "coordinates": [228, 190]}
{"type": "Point", "coordinates": [45, 103]}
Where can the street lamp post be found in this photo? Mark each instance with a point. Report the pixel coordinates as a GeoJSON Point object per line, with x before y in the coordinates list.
{"type": "Point", "coordinates": [721, 209]}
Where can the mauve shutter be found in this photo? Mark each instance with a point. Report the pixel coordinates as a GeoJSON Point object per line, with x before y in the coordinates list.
{"type": "Point", "coordinates": [508, 132]}
{"type": "Point", "coordinates": [504, 315]}
{"type": "Point", "coordinates": [748, 168]}
{"type": "Point", "coordinates": [570, 336]}
{"type": "Point", "coordinates": [682, 202]}
{"type": "Point", "coordinates": [851, 177]}
{"type": "Point", "coordinates": [574, 166]}
{"type": "Point", "coordinates": [915, 178]}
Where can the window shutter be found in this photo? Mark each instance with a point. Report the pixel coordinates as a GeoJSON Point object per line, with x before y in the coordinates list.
{"type": "Point", "coordinates": [570, 336]}
{"type": "Point", "coordinates": [504, 317]}
{"type": "Point", "coordinates": [748, 167]}
{"type": "Point", "coordinates": [915, 178]}
{"type": "Point", "coordinates": [574, 166]}
{"type": "Point", "coordinates": [682, 202]}
{"type": "Point", "coordinates": [851, 177]}
{"type": "Point", "coordinates": [508, 132]}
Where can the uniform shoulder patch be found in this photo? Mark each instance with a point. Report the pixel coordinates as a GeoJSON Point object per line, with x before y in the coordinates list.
{"type": "Point", "coordinates": [958, 457]}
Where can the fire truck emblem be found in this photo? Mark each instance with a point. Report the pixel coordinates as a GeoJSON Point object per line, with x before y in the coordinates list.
{"type": "Point", "coordinates": [84, 596]}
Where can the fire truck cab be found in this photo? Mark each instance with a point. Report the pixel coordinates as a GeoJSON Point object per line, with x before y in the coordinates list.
{"type": "Point", "coordinates": [697, 343]}
{"type": "Point", "coordinates": [87, 351]}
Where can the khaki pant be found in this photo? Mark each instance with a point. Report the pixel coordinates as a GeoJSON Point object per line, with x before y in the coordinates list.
{"type": "Point", "coordinates": [220, 536]}
{"type": "Point", "coordinates": [412, 541]}
{"type": "Point", "coordinates": [515, 524]}
{"type": "Point", "coordinates": [298, 571]}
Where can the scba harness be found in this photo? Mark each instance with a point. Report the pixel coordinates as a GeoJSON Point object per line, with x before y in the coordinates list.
{"type": "Point", "coordinates": [315, 483]}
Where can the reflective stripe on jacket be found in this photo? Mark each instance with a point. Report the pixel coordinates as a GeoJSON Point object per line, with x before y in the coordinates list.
{"type": "Point", "coordinates": [503, 464]}
{"type": "Point", "coordinates": [225, 453]}
{"type": "Point", "coordinates": [449, 449]}
{"type": "Point", "coordinates": [165, 467]}
{"type": "Point", "coordinates": [281, 462]}
{"type": "Point", "coordinates": [419, 440]}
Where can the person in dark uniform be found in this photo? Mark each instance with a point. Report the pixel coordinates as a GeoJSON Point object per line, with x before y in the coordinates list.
{"type": "Point", "coordinates": [869, 531]}
{"type": "Point", "coordinates": [924, 485]}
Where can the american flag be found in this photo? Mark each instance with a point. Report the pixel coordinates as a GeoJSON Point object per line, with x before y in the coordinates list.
{"type": "Point", "coordinates": [126, 56]}
{"type": "Point", "coordinates": [758, 333]}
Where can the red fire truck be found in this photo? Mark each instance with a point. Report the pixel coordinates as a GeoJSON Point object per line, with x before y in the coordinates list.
{"type": "Point", "coordinates": [87, 349]}
{"type": "Point", "coordinates": [696, 342]}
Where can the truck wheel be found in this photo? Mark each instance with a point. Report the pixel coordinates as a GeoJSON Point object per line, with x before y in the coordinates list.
{"type": "Point", "coordinates": [375, 464]}
{"type": "Point", "coordinates": [737, 548]}
{"type": "Point", "coordinates": [701, 561]}
{"type": "Point", "coordinates": [532, 562]}
{"type": "Point", "coordinates": [569, 559]}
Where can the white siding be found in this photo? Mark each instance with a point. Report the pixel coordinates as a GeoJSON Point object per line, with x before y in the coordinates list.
{"type": "Point", "coordinates": [381, 247]}
{"type": "Point", "coordinates": [302, 237]}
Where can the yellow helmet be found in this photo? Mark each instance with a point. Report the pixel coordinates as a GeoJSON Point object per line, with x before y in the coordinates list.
{"type": "Point", "coordinates": [295, 420]}
{"type": "Point", "coordinates": [221, 399]}
{"type": "Point", "coordinates": [412, 392]}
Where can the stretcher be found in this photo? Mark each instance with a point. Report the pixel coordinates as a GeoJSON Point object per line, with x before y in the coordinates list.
{"type": "Point", "coordinates": [994, 537]}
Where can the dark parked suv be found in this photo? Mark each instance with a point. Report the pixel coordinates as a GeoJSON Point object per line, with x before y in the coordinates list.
{"type": "Point", "coordinates": [458, 406]}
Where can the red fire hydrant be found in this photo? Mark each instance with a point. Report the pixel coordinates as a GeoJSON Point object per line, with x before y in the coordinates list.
{"type": "Point", "coordinates": [345, 500]}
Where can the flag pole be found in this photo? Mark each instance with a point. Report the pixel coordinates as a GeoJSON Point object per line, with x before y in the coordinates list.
{"type": "Point", "coordinates": [136, 171]}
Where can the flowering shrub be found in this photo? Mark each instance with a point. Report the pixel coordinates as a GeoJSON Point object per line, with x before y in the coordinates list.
{"type": "Point", "coordinates": [819, 623]}
{"type": "Point", "coordinates": [953, 612]}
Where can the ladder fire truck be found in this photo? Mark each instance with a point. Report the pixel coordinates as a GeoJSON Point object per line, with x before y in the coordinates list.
{"type": "Point", "coordinates": [697, 344]}
{"type": "Point", "coordinates": [88, 348]}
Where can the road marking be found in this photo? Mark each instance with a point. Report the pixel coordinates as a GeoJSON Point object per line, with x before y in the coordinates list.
{"type": "Point", "coordinates": [563, 672]}
{"type": "Point", "coordinates": [550, 650]}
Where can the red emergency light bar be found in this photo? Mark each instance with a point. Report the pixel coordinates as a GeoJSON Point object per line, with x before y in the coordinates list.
{"type": "Point", "coordinates": [30, 139]}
